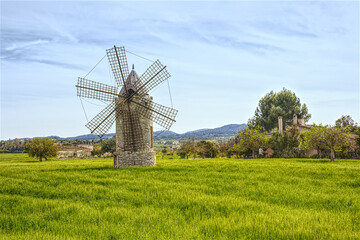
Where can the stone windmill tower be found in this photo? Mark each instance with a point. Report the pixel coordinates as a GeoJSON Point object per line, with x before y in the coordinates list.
{"type": "Point", "coordinates": [132, 108]}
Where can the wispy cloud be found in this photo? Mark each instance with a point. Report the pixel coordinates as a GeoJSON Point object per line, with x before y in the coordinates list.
{"type": "Point", "coordinates": [16, 46]}
{"type": "Point", "coordinates": [281, 29]}
{"type": "Point", "coordinates": [253, 47]}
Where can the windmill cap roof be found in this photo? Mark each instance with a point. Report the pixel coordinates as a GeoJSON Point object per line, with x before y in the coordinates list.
{"type": "Point", "coordinates": [130, 82]}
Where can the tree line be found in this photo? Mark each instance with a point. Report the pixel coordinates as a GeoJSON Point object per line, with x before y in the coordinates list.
{"type": "Point", "coordinates": [19, 145]}
{"type": "Point", "coordinates": [261, 138]}
{"type": "Point", "coordinates": [327, 141]}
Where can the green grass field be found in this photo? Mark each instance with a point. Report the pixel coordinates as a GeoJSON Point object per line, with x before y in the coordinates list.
{"type": "Point", "coordinates": [179, 199]}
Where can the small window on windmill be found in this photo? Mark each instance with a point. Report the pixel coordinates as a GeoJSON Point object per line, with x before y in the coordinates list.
{"type": "Point", "coordinates": [131, 91]}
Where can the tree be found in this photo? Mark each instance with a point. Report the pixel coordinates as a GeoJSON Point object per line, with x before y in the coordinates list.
{"type": "Point", "coordinates": [226, 148]}
{"type": "Point", "coordinates": [164, 152]}
{"type": "Point", "coordinates": [186, 148]}
{"type": "Point", "coordinates": [327, 137]}
{"type": "Point", "coordinates": [286, 144]}
{"type": "Point", "coordinates": [313, 139]}
{"type": "Point", "coordinates": [272, 105]}
{"type": "Point", "coordinates": [335, 139]}
{"type": "Point", "coordinates": [346, 121]}
{"type": "Point", "coordinates": [208, 149]}
{"type": "Point", "coordinates": [238, 149]}
{"type": "Point", "coordinates": [42, 148]}
{"type": "Point", "coordinates": [357, 132]}
{"type": "Point", "coordinates": [251, 139]}
{"type": "Point", "coordinates": [108, 145]}
{"type": "Point", "coordinates": [96, 150]}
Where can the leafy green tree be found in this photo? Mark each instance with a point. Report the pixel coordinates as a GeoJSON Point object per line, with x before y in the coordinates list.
{"type": "Point", "coordinates": [326, 137]}
{"type": "Point", "coordinates": [226, 148]}
{"type": "Point", "coordinates": [357, 132]}
{"type": "Point", "coordinates": [313, 139]}
{"type": "Point", "coordinates": [67, 144]}
{"type": "Point", "coordinates": [96, 150]}
{"type": "Point", "coordinates": [42, 148]}
{"type": "Point", "coordinates": [284, 103]}
{"type": "Point", "coordinates": [164, 152]}
{"type": "Point", "coordinates": [335, 139]}
{"type": "Point", "coordinates": [286, 144]}
{"type": "Point", "coordinates": [186, 148]}
{"type": "Point", "coordinates": [238, 149]}
{"type": "Point", "coordinates": [251, 139]}
{"type": "Point", "coordinates": [207, 149]}
{"type": "Point", "coordinates": [346, 121]}
{"type": "Point", "coordinates": [108, 145]}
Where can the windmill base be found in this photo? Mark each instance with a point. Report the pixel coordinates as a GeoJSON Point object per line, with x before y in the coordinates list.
{"type": "Point", "coordinates": [134, 159]}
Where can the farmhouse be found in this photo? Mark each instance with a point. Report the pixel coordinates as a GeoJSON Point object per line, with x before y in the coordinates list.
{"type": "Point", "coordinates": [81, 150]}
{"type": "Point", "coordinates": [301, 126]}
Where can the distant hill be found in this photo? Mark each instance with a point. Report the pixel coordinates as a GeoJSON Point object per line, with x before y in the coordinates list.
{"type": "Point", "coordinates": [88, 137]}
{"type": "Point", "coordinates": [203, 134]}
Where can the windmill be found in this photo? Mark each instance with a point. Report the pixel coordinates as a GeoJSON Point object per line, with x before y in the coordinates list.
{"type": "Point", "coordinates": [132, 108]}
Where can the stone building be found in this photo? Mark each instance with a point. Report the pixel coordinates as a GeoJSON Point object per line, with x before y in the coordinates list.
{"type": "Point", "coordinates": [133, 150]}
{"type": "Point", "coordinates": [300, 124]}
{"type": "Point", "coordinates": [82, 150]}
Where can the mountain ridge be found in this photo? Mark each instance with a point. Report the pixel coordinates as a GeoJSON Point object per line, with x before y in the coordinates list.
{"type": "Point", "coordinates": [225, 131]}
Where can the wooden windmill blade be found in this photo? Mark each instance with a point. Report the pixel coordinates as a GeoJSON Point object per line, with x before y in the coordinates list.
{"type": "Point", "coordinates": [118, 62]}
{"type": "Point", "coordinates": [162, 115]}
{"type": "Point", "coordinates": [151, 78]}
{"type": "Point", "coordinates": [95, 90]}
{"type": "Point", "coordinates": [103, 121]}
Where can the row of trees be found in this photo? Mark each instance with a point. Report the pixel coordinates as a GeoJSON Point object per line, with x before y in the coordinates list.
{"type": "Point", "coordinates": [255, 142]}
{"type": "Point", "coordinates": [292, 143]}
{"type": "Point", "coordinates": [246, 143]}
{"type": "Point", "coordinates": [261, 134]}
{"type": "Point", "coordinates": [13, 146]}
{"type": "Point", "coordinates": [19, 145]}
{"type": "Point", "coordinates": [335, 139]}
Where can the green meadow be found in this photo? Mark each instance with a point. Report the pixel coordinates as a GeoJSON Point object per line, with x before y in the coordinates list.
{"type": "Point", "coordinates": [179, 199]}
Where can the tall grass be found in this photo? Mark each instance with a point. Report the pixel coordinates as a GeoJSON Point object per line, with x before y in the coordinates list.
{"type": "Point", "coordinates": [179, 199]}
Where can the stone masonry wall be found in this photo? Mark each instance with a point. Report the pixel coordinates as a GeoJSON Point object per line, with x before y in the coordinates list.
{"type": "Point", "coordinates": [128, 159]}
{"type": "Point", "coordinates": [146, 157]}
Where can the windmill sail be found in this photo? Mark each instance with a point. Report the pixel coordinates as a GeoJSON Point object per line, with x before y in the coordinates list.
{"type": "Point", "coordinates": [103, 121]}
{"type": "Point", "coordinates": [151, 78]}
{"type": "Point", "coordinates": [95, 90]}
{"type": "Point", "coordinates": [162, 115]}
{"type": "Point", "coordinates": [118, 62]}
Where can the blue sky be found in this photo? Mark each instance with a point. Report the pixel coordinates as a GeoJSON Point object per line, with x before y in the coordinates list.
{"type": "Point", "coordinates": [223, 57]}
